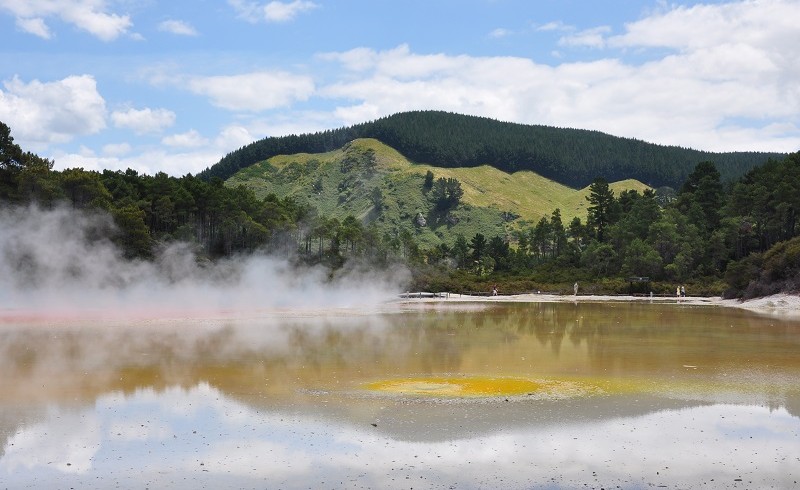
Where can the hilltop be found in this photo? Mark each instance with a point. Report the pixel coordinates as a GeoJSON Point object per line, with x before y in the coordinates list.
{"type": "Point", "coordinates": [375, 183]}
{"type": "Point", "coordinates": [366, 205]}
{"type": "Point", "coordinates": [572, 157]}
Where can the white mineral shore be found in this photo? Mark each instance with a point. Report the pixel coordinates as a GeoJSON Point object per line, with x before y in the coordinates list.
{"type": "Point", "coordinates": [785, 305]}
{"type": "Point", "coordinates": [778, 304]}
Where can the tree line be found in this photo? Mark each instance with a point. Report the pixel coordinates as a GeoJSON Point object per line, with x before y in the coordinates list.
{"type": "Point", "coordinates": [570, 156]}
{"type": "Point", "coordinates": [740, 236]}
{"type": "Point", "coordinates": [221, 221]}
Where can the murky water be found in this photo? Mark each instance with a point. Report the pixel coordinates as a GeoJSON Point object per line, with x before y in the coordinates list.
{"type": "Point", "coordinates": [452, 396]}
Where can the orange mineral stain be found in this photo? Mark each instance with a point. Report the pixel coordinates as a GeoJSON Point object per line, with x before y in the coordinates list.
{"type": "Point", "coordinates": [457, 386]}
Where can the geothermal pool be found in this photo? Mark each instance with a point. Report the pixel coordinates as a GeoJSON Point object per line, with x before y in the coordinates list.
{"type": "Point", "coordinates": [513, 395]}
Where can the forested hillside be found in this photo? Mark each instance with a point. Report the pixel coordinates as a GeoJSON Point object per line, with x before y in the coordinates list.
{"type": "Point", "coordinates": [572, 157]}
{"type": "Point", "coordinates": [147, 211]}
{"type": "Point", "coordinates": [740, 237]}
{"type": "Point", "coordinates": [370, 180]}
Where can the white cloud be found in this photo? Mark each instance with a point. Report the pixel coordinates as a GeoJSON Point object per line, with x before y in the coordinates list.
{"type": "Point", "coordinates": [189, 139]}
{"type": "Point", "coordinates": [144, 120]}
{"type": "Point", "coordinates": [357, 59]}
{"type": "Point", "coordinates": [89, 15]}
{"type": "Point", "coordinates": [86, 152]}
{"type": "Point", "coordinates": [52, 112]}
{"type": "Point", "coordinates": [182, 153]}
{"type": "Point", "coordinates": [291, 123]}
{"type": "Point", "coordinates": [500, 33]}
{"type": "Point", "coordinates": [593, 38]}
{"type": "Point", "coordinates": [117, 149]}
{"type": "Point", "coordinates": [254, 92]}
{"type": "Point", "coordinates": [274, 11]}
{"type": "Point", "coordinates": [282, 12]}
{"type": "Point", "coordinates": [554, 26]}
{"type": "Point", "coordinates": [728, 81]}
{"type": "Point", "coordinates": [147, 162]}
{"type": "Point", "coordinates": [234, 137]}
{"type": "Point", "coordinates": [399, 62]}
{"type": "Point", "coordinates": [398, 80]}
{"type": "Point", "coordinates": [178, 27]}
{"type": "Point", "coordinates": [69, 448]}
{"type": "Point", "coordinates": [35, 26]}
{"type": "Point", "coordinates": [757, 40]}
{"type": "Point", "coordinates": [760, 23]}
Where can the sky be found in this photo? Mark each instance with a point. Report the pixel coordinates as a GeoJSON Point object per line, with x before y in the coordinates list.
{"type": "Point", "coordinates": [172, 86]}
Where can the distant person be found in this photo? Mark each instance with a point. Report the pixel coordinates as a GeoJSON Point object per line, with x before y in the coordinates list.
{"type": "Point", "coordinates": [678, 291]}
{"type": "Point", "coordinates": [575, 288]}
{"type": "Point", "coordinates": [494, 290]}
{"type": "Point", "coordinates": [683, 292]}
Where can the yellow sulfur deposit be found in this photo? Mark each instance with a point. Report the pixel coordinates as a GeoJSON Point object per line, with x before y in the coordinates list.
{"type": "Point", "coordinates": [458, 386]}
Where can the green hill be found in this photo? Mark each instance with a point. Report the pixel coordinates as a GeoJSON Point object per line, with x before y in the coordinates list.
{"type": "Point", "coordinates": [573, 157]}
{"type": "Point", "coordinates": [344, 181]}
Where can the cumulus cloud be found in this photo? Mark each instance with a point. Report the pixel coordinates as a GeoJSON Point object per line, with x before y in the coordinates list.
{"type": "Point", "coordinates": [35, 26]}
{"type": "Point", "coordinates": [234, 136]}
{"type": "Point", "coordinates": [718, 76]}
{"type": "Point", "coordinates": [755, 22]}
{"type": "Point", "coordinates": [398, 80]}
{"type": "Point", "coordinates": [182, 153]}
{"type": "Point", "coordinates": [41, 113]}
{"type": "Point", "coordinates": [177, 27]}
{"type": "Point", "coordinates": [189, 139]}
{"type": "Point", "coordinates": [593, 38]}
{"type": "Point", "coordinates": [117, 149]}
{"type": "Point", "coordinates": [755, 40]}
{"type": "Point", "coordinates": [144, 120]}
{"type": "Point", "coordinates": [189, 151]}
{"type": "Point", "coordinates": [147, 161]}
{"type": "Point", "coordinates": [274, 11]}
{"type": "Point", "coordinates": [253, 92]}
{"type": "Point", "coordinates": [727, 81]}
{"type": "Point", "coordinates": [91, 16]}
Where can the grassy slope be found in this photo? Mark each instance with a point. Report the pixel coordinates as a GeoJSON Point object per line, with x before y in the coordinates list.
{"type": "Point", "coordinates": [488, 192]}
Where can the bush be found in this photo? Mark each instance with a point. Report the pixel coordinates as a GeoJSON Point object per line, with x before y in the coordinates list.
{"type": "Point", "coordinates": [777, 271]}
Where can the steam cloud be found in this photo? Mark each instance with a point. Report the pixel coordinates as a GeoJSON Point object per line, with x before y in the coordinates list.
{"type": "Point", "coordinates": [60, 261]}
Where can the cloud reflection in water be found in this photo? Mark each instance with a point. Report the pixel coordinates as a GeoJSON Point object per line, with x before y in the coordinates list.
{"type": "Point", "coordinates": [187, 438]}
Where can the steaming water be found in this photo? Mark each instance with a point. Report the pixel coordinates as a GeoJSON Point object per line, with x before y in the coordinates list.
{"type": "Point", "coordinates": [60, 263]}
{"type": "Point", "coordinates": [640, 395]}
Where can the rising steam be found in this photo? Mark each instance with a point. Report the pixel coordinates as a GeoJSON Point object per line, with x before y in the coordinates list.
{"type": "Point", "coordinates": [60, 261]}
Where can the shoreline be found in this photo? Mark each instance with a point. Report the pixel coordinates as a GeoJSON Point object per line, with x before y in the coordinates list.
{"type": "Point", "coordinates": [785, 306]}
{"type": "Point", "coordinates": [781, 305]}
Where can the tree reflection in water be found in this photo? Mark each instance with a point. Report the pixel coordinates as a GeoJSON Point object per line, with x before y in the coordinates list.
{"type": "Point", "coordinates": [663, 370]}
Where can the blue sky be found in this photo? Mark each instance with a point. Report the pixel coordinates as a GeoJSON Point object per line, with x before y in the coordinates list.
{"type": "Point", "coordinates": [173, 86]}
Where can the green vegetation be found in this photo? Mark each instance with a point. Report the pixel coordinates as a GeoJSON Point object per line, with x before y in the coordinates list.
{"type": "Point", "coordinates": [149, 210]}
{"type": "Point", "coordinates": [457, 229]}
{"type": "Point", "coordinates": [572, 157]}
{"type": "Point", "coordinates": [433, 204]}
